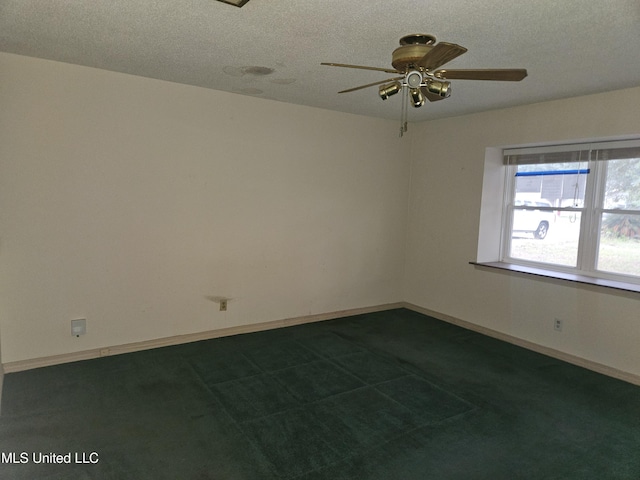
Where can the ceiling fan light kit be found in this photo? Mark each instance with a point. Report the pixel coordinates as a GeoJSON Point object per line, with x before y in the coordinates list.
{"type": "Point", "coordinates": [439, 88]}
{"type": "Point", "coordinates": [386, 91]}
{"type": "Point", "coordinates": [417, 60]}
{"type": "Point", "coordinates": [417, 99]}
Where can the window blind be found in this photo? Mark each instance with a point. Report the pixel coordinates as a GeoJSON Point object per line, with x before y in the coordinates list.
{"type": "Point", "coordinates": [616, 150]}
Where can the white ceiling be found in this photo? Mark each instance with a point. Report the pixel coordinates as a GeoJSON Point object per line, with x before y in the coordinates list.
{"type": "Point", "coordinates": [273, 48]}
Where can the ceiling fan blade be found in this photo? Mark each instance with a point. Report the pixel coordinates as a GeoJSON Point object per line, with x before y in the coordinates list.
{"type": "Point", "coordinates": [505, 75]}
{"type": "Point", "coordinates": [377, 69]}
{"type": "Point", "coordinates": [432, 97]}
{"type": "Point", "coordinates": [371, 84]}
{"type": "Point", "coordinates": [440, 54]}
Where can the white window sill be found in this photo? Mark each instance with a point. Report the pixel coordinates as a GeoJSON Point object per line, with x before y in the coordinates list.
{"type": "Point", "coordinates": [569, 277]}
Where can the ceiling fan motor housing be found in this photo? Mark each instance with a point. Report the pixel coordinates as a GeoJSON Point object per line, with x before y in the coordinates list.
{"type": "Point", "coordinates": [411, 50]}
{"type": "Point", "coordinates": [407, 56]}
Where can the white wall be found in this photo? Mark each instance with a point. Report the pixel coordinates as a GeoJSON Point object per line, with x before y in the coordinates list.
{"type": "Point", "coordinates": [127, 201]}
{"type": "Point", "coordinates": [446, 190]}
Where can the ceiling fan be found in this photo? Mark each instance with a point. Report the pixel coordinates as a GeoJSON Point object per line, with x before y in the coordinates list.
{"type": "Point", "coordinates": [416, 62]}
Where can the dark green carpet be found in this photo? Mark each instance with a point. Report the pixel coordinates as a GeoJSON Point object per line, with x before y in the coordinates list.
{"type": "Point", "coordinates": [391, 395]}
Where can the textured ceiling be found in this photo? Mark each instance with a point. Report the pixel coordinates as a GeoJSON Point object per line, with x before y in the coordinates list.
{"type": "Point", "coordinates": [273, 48]}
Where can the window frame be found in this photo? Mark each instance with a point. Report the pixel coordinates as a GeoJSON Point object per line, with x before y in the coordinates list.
{"type": "Point", "coordinates": [592, 211]}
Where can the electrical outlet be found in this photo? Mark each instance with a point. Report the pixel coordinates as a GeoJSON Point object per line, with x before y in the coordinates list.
{"type": "Point", "coordinates": [557, 324]}
{"type": "Point", "coordinates": [78, 327]}
{"type": "Point", "coordinates": [223, 305]}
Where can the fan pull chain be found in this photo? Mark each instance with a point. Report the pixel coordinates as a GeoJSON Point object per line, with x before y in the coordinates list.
{"type": "Point", "coordinates": [403, 112]}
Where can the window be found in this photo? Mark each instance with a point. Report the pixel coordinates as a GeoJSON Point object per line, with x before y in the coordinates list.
{"type": "Point", "coordinates": [574, 208]}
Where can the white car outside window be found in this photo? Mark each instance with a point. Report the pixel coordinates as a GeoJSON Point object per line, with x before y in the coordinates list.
{"type": "Point", "coordinates": [532, 221]}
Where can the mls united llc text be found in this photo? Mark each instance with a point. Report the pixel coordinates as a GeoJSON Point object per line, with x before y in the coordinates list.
{"type": "Point", "coordinates": [51, 457]}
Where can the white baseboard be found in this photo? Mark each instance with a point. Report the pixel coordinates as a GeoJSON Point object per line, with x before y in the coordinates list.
{"type": "Point", "coordinates": [29, 364]}
{"type": "Point", "coordinates": [288, 322]}
{"type": "Point", "coordinates": [550, 352]}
